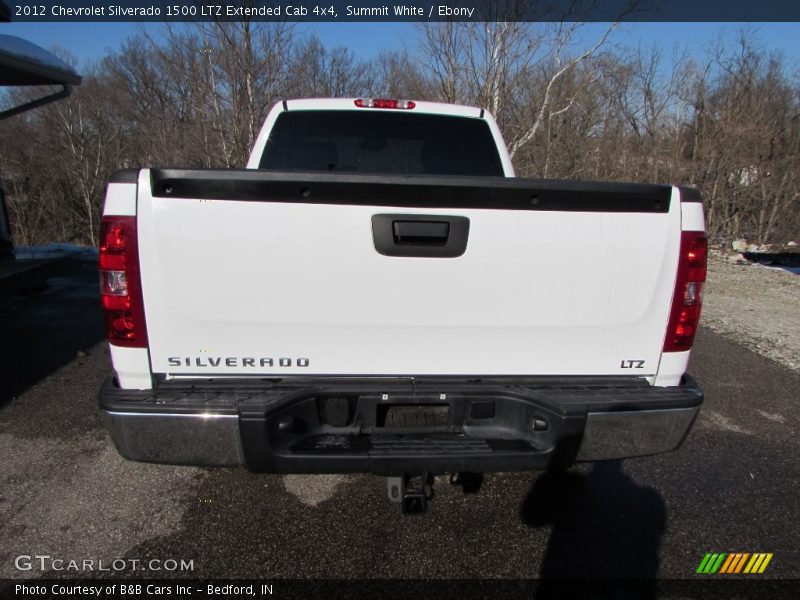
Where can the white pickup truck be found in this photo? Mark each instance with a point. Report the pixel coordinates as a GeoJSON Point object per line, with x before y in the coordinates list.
{"type": "Point", "coordinates": [378, 293]}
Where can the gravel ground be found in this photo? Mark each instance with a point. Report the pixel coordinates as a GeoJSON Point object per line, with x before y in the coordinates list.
{"type": "Point", "coordinates": [756, 306]}
{"type": "Point", "coordinates": [733, 485]}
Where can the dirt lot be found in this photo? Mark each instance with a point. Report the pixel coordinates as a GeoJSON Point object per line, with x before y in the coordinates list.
{"type": "Point", "coordinates": [759, 307]}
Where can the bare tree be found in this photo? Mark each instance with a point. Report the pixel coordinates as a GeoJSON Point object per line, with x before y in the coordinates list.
{"type": "Point", "coordinates": [334, 73]}
{"type": "Point", "coordinates": [728, 123]}
{"type": "Point", "coordinates": [564, 64]}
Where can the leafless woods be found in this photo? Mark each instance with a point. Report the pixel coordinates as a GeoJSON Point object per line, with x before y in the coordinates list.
{"type": "Point", "coordinates": [570, 106]}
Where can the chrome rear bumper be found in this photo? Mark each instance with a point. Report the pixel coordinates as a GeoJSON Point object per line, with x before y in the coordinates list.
{"type": "Point", "coordinates": [327, 426]}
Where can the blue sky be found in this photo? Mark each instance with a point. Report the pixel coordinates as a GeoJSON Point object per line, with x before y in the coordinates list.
{"type": "Point", "coordinates": [91, 41]}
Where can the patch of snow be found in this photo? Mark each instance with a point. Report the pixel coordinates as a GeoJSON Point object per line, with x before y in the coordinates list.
{"type": "Point", "coordinates": [794, 270]}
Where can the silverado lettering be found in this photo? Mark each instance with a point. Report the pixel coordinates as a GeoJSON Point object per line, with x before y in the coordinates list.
{"type": "Point", "coordinates": [235, 361]}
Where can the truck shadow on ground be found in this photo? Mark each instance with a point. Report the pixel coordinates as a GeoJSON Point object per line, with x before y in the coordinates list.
{"type": "Point", "coordinates": [43, 330]}
{"type": "Point", "coordinates": [604, 527]}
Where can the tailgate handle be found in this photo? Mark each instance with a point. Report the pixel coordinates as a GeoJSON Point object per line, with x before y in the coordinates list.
{"type": "Point", "coordinates": [434, 236]}
{"type": "Point", "coordinates": [420, 233]}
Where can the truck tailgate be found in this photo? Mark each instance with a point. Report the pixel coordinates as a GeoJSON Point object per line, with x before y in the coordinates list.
{"type": "Point", "coordinates": [248, 273]}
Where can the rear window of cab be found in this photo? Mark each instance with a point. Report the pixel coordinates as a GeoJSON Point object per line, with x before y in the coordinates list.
{"type": "Point", "coordinates": [389, 142]}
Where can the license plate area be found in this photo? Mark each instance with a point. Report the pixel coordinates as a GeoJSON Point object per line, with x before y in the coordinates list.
{"type": "Point", "coordinates": [399, 417]}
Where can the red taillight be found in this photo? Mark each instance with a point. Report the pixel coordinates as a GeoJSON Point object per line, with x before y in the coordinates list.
{"type": "Point", "coordinates": [120, 284]}
{"type": "Point", "coordinates": [384, 103]}
{"type": "Point", "coordinates": [687, 298]}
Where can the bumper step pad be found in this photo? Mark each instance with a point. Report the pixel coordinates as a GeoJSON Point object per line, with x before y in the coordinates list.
{"type": "Point", "coordinates": [377, 445]}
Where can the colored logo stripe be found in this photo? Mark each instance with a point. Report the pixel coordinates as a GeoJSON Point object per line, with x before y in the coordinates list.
{"type": "Point", "coordinates": [703, 563]}
{"type": "Point", "coordinates": [711, 563]}
{"type": "Point", "coordinates": [715, 567]}
{"type": "Point", "coordinates": [727, 564]}
{"type": "Point", "coordinates": [735, 562]}
{"type": "Point", "coordinates": [758, 563]}
{"type": "Point", "coordinates": [740, 564]}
